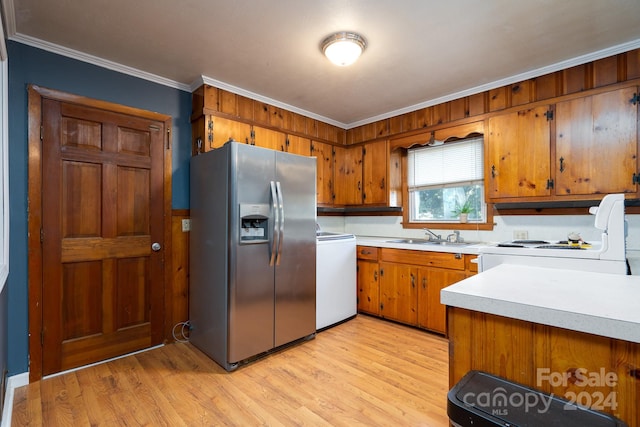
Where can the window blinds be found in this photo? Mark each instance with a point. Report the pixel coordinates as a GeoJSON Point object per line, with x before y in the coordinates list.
{"type": "Point", "coordinates": [449, 163]}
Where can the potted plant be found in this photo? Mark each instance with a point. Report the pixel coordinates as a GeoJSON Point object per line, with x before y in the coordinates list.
{"type": "Point", "coordinates": [462, 210]}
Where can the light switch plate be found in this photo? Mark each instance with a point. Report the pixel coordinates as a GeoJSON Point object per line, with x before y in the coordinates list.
{"type": "Point", "coordinates": [186, 225]}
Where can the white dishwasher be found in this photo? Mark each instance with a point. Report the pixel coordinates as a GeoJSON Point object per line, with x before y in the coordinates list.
{"type": "Point", "coordinates": [335, 278]}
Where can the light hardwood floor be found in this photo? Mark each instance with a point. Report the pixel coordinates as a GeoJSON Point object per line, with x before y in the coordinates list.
{"type": "Point", "coordinates": [366, 372]}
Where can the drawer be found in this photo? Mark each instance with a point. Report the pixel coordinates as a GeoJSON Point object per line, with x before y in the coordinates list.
{"type": "Point", "coordinates": [368, 252]}
{"type": "Point", "coordinates": [449, 260]}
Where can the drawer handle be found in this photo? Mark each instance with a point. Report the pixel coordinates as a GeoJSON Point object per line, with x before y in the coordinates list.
{"type": "Point", "coordinates": [363, 252]}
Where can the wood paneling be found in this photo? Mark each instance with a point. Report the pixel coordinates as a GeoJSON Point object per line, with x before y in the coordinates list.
{"type": "Point", "coordinates": [553, 360]}
{"type": "Point", "coordinates": [177, 295]}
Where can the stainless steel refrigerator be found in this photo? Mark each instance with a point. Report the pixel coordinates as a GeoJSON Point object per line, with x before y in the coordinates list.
{"type": "Point", "coordinates": [252, 251]}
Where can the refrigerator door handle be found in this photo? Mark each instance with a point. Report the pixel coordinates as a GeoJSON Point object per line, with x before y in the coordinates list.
{"type": "Point", "coordinates": [281, 238]}
{"type": "Point", "coordinates": [276, 223]}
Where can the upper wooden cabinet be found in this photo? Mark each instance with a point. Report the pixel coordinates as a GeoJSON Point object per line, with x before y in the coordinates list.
{"type": "Point", "coordinates": [324, 172]}
{"type": "Point", "coordinates": [210, 132]}
{"type": "Point", "coordinates": [596, 144]}
{"type": "Point", "coordinates": [348, 175]}
{"type": "Point", "coordinates": [375, 164]}
{"type": "Point", "coordinates": [297, 145]}
{"type": "Point", "coordinates": [363, 173]}
{"type": "Point", "coordinates": [267, 138]}
{"type": "Point", "coordinates": [518, 154]}
{"type": "Point", "coordinates": [578, 149]}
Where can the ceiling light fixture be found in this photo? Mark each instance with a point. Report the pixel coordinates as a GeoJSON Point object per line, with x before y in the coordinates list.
{"type": "Point", "coordinates": [343, 48]}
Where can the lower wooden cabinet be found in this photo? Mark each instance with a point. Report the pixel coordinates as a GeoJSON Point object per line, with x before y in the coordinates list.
{"type": "Point", "coordinates": [432, 314]}
{"type": "Point", "coordinates": [398, 292]}
{"type": "Point", "coordinates": [404, 285]}
{"type": "Point", "coordinates": [368, 284]}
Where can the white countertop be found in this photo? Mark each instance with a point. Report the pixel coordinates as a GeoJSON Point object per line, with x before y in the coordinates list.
{"type": "Point", "coordinates": [387, 242]}
{"type": "Point", "coordinates": [596, 303]}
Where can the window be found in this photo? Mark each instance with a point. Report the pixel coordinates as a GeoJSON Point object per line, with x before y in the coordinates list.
{"type": "Point", "coordinates": [444, 178]}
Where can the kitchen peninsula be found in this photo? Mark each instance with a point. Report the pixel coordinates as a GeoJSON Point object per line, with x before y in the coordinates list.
{"type": "Point", "coordinates": [570, 333]}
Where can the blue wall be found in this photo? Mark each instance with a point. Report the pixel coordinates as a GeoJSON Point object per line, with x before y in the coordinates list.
{"type": "Point", "coordinates": [28, 65]}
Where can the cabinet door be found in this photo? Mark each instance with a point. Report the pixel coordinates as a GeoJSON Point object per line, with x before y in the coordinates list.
{"type": "Point", "coordinates": [298, 145]}
{"type": "Point", "coordinates": [432, 314]}
{"type": "Point", "coordinates": [398, 293]}
{"type": "Point", "coordinates": [374, 173]}
{"type": "Point", "coordinates": [596, 144]}
{"type": "Point", "coordinates": [268, 138]}
{"type": "Point", "coordinates": [368, 287]}
{"type": "Point", "coordinates": [348, 170]}
{"type": "Point", "coordinates": [519, 154]}
{"type": "Point", "coordinates": [324, 172]}
{"type": "Point", "coordinates": [220, 130]}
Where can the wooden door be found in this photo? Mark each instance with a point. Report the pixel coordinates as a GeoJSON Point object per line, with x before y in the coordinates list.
{"type": "Point", "coordinates": [298, 145]}
{"type": "Point", "coordinates": [398, 292]}
{"type": "Point", "coordinates": [324, 172]}
{"type": "Point", "coordinates": [596, 144]}
{"type": "Point", "coordinates": [348, 172]}
{"type": "Point", "coordinates": [368, 287]}
{"type": "Point", "coordinates": [374, 173]}
{"type": "Point", "coordinates": [431, 312]}
{"type": "Point", "coordinates": [103, 207]}
{"type": "Point", "coordinates": [267, 138]}
{"type": "Point", "coordinates": [220, 130]}
{"type": "Point", "coordinates": [519, 154]}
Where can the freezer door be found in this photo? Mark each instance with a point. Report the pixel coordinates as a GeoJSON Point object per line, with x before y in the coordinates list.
{"type": "Point", "coordinates": [251, 284]}
{"type": "Point", "coordinates": [295, 275]}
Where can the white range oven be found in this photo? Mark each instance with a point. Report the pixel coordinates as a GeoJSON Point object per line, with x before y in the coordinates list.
{"type": "Point", "coordinates": [605, 256]}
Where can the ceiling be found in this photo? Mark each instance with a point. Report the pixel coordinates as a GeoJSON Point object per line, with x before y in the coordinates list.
{"type": "Point", "coordinates": [419, 53]}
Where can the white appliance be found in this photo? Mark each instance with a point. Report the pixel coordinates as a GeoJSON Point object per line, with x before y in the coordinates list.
{"type": "Point", "coordinates": [336, 289]}
{"type": "Point", "coordinates": [606, 256]}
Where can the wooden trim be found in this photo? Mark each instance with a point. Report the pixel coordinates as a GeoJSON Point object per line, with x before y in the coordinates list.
{"type": "Point", "coordinates": [34, 194]}
{"type": "Point", "coordinates": [168, 241]}
{"type": "Point", "coordinates": [34, 225]}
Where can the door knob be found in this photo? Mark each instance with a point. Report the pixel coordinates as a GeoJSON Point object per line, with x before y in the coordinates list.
{"type": "Point", "coordinates": [156, 246]}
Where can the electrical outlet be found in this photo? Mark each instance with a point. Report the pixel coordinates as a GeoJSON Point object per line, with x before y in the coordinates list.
{"type": "Point", "coordinates": [186, 225]}
{"type": "Point", "coordinates": [520, 235]}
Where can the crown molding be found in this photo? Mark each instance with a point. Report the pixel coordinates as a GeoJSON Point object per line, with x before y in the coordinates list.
{"type": "Point", "coordinates": [255, 96]}
{"type": "Point", "coordinates": [579, 60]}
{"type": "Point", "coordinates": [100, 62]}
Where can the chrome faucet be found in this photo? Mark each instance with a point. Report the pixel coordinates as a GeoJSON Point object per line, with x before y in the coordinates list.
{"type": "Point", "coordinates": [454, 237]}
{"type": "Point", "coordinates": [430, 233]}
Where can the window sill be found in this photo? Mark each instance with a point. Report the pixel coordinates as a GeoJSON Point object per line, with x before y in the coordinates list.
{"type": "Point", "coordinates": [451, 225]}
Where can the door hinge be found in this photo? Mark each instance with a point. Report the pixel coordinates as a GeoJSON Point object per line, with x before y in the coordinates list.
{"type": "Point", "coordinates": [168, 138]}
{"type": "Point", "coordinates": [635, 100]}
{"type": "Point", "coordinates": [41, 133]}
{"type": "Point", "coordinates": [549, 184]}
{"type": "Point", "coordinates": [41, 235]}
{"type": "Point", "coordinates": [364, 151]}
{"type": "Point", "coordinates": [549, 115]}
{"type": "Point", "coordinates": [635, 179]}
{"type": "Point", "coordinates": [42, 338]}
{"type": "Point", "coordinates": [253, 137]}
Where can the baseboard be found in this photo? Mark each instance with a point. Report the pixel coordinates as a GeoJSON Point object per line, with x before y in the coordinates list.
{"type": "Point", "coordinates": [13, 382]}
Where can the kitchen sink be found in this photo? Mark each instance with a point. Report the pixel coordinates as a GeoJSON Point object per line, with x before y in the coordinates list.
{"type": "Point", "coordinates": [431, 242]}
{"type": "Point", "coordinates": [410, 241]}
